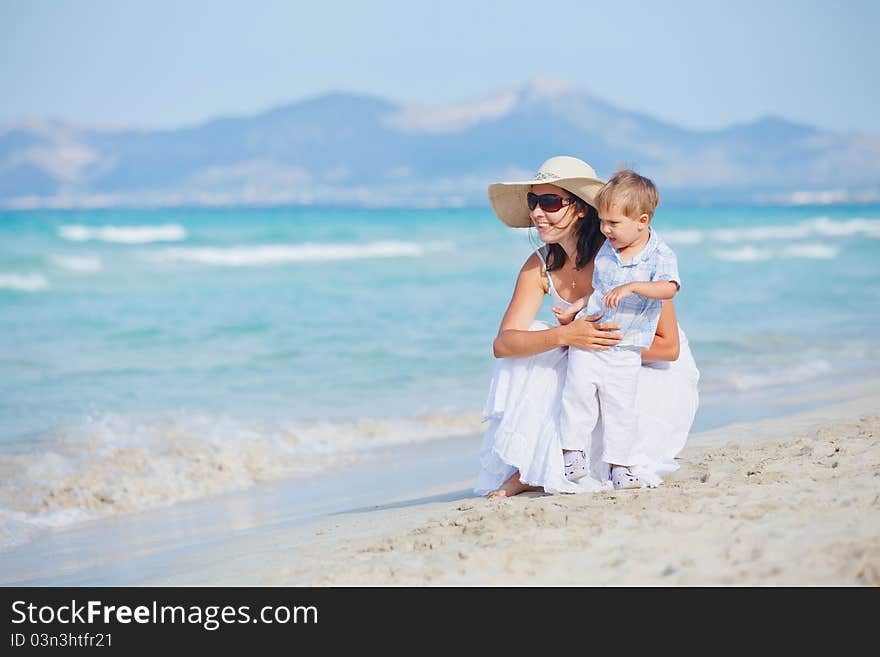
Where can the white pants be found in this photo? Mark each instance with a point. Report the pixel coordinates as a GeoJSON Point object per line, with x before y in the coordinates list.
{"type": "Point", "coordinates": [606, 380]}
{"type": "Point", "coordinates": [522, 415]}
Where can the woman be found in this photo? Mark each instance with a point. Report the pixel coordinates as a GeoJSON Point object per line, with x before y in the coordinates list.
{"type": "Point", "coordinates": [521, 447]}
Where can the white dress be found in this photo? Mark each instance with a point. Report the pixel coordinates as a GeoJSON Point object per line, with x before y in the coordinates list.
{"type": "Point", "coordinates": [522, 411]}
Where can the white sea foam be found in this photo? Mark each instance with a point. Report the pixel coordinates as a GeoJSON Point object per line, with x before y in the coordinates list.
{"type": "Point", "coordinates": [83, 264]}
{"type": "Point", "coordinates": [813, 251]}
{"type": "Point", "coordinates": [124, 234]}
{"type": "Point", "coordinates": [24, 282]}
{"type": "Point", "coordinates": [781, 376]}
{"type": "Point", "coordinates": [744, 254]}
{"type": "Point", "coordinates": [751, 253]}
{"type": "Point", "coordinates": [811, 228]}
{"type": "Point", "coordinates": [682, 236]}
{"type": "Point", "coordinates": [762, 233]}
{"type": "Point", "coordinates": [115, 463]}
{"type": "Point", "coordinates": [858, 226]}
{"type": "Point", "coordinates": [275, 254]}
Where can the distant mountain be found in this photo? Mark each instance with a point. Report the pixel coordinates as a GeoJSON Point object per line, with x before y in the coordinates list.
{"type": "Point", "coordinates": [342, 148]}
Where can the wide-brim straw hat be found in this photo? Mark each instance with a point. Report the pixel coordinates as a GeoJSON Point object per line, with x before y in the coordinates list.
{"type": "Point", "coordinates": [576, 176]}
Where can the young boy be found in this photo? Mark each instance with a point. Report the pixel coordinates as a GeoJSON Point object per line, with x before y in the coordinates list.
{"type": "Point", "coordinates": [633, 272]}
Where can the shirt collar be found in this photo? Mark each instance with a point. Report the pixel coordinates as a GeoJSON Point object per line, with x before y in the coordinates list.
{"type": "Point", "coordinates": [642, 255]}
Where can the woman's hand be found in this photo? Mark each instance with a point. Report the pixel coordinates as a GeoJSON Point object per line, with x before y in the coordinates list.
{"type": "Point", "coordinates": [584, 333]}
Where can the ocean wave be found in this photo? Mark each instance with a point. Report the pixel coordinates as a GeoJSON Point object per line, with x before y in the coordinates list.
{"type": "Point", "coordinates": [753, 254]}
{"type": "Point", "coordinates": [813, 251]}
{"type": "Point", "coordinates": [275, 254]}
{"type": "Point", "coordinates": [816, 227]}
{"type": "Point", "coordinates": [744, 254]}
{"type": "Point", "coordinates": [114, 463]}
{"type": "Point", "coordinates": [82, 264]}
{"type": "Point", "coordinates": [858, 226]}
{"type": "Point", "coordinates": [780, 376]}
{"type": "Point", "coordinates": [124, 234]}
{"type": "Point", "coordinates": [682, 236]}
{"type": "Point", "coordinates": [24, 282]}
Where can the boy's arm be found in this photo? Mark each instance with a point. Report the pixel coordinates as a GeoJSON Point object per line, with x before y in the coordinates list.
{"type": "Point", "coordinates": [664, 284]}
{"type": "Point", "coordinates": [665, 281]}
{"type": "Point", "coordinates": [655, 289]}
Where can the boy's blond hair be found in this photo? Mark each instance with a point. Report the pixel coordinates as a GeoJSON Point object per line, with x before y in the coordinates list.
{"type": "Point", "coordinates": [634, 195]}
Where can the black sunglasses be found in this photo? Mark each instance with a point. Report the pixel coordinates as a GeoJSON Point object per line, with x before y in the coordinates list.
{"type": "Point", "coordinates": [548, 202]}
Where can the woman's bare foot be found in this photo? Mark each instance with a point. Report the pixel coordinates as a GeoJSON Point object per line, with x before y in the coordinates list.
{"type": "Point", "coordinates": [513, 486]}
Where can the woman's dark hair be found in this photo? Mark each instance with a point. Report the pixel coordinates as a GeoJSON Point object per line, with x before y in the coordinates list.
{"type": "Point", "coordinates": [590, 239]}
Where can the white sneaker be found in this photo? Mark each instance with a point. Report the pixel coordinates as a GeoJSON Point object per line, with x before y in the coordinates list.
{"type": "Point", "coordinates": [575, 465]}
{"type": "Point", "coordinates": [623, 478]}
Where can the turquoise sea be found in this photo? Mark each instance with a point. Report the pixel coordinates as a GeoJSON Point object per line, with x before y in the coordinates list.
{"type": "Point", "coordinates": [150, 356]}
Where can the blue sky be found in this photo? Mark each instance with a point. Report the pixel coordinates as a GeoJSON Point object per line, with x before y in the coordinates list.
{"type": "Point", "coordinates": [698, 64]}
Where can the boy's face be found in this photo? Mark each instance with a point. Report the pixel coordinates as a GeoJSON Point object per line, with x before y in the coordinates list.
{"type": "Point", "coordinates": [621, 230]}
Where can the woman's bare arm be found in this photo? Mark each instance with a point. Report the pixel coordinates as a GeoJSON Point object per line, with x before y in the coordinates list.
{"type": "Point", "coordinates": [514, 337]}
{"type": "Point", "coordinates": [665, 345]}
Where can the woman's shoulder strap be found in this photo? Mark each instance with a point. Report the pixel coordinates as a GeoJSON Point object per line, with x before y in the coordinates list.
{"type": "Point", "coordinates": [542, 255]}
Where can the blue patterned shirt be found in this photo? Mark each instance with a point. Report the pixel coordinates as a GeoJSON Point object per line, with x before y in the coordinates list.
{"type": "Point", "coordinates": [636, 315]}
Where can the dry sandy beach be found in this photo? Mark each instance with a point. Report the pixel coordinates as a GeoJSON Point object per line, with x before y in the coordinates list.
{"type": "Point", "coordinates": [790, 501]}
{"type": "Point", "coordinates": [786, 501]}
